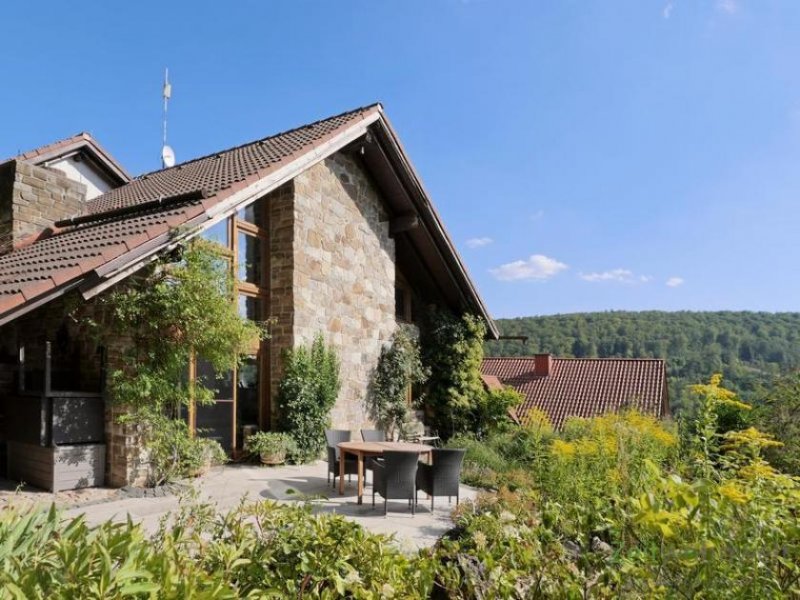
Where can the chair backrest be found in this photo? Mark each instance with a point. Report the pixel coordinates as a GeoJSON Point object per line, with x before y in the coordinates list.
{"type": "Point", "coordinates": [400, 472]}
{"type": "Point", "coordinates": [335, 436]}
{"type": "Point", "coordinates": [373, 435]}
{"type": "Point", "coordinates": [447, 469]}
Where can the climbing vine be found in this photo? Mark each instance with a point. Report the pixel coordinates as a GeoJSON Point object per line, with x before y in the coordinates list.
{"type": "Point", "coordinates": [399, 368]}
{"type": "Point", "coordinates": [452, 350]}
{"type": "Point", "coordinates": [181, 309]}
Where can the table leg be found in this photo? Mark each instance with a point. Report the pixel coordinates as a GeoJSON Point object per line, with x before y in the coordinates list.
{"type": "Point", "coordinates": [360, 478]}
{"type": "Point", "coordinates": [342, 456]}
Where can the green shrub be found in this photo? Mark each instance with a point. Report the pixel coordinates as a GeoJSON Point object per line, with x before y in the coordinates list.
{"type": "Point", "coordinates": [452, 350]}
{"type": "Point", "coordinates": [306, 394]}
{"type": "Point", "coordinates": [175, 453]}
{"type": "Point", "coordinates": [272, 443]}
{"type": "Point", "coordinates": [262, 551]}
{"type": "Point", "coordinates": [398, 369]}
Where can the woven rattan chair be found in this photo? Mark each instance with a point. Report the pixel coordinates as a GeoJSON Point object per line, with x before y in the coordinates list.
{"type": "Point", "coordinates": [334, 437]}
{"type": "Point", "coordinates": [373, 435]}
{"type": "Point", "coordinates": [442, 476]}
{"type": "Point", "coordinates": [394, 478]}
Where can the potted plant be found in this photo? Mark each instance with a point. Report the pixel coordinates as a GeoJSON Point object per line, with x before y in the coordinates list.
{"type": "Point", "coordinates": [202, 454]}
{"type": "Point", "coordinates": [271, 446]}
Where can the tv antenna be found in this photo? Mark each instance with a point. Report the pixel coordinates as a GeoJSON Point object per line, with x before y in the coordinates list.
{"type": "Point", "coordinates": [167, 153]}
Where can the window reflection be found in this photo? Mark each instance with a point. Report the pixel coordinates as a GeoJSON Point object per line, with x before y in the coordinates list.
{"type": "Point", "coordinates": [253, 213]}
{"type": "Point", "coordinates": [217, 233]}
{"type": "Point", "coordinates": [250, 266]}
{"type": "Point", "coordinates": [250, 307]}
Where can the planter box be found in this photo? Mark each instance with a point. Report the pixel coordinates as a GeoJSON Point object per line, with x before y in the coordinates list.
{"type": "Point", "coordinates": [57, 468]}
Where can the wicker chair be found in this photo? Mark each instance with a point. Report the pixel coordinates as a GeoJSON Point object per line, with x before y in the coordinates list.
{"type": "Point", "coordinates": [441, 478]}
{"type": "Point", "coordinates": [373, 435]}
{"type": "Point", "coordinates": [334, 438]}
{"type": "Point", "coordinates": [394, 478]}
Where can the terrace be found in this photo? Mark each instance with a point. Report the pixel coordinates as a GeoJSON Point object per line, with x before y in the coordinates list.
{"type": "Point", "coordinates": [226, 486]}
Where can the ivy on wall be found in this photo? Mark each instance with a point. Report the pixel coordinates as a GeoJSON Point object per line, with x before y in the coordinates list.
{"type": "Point", "coordinates": [181, 309]}
{"type": "Point", "coordinates": [399, 368]}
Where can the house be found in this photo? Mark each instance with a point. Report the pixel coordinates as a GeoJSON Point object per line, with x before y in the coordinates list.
{"type": "Point", "coordinates": [331, 231]}
{"type": "Point", "coordinates": [581, 387]}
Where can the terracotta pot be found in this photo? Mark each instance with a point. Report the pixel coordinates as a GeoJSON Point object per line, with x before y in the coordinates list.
{"type": "Point", "coordinates": [273, 459]}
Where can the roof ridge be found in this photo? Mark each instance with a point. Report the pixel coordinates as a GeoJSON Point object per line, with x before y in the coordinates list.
{"type": "Point", "coordinates": [256, 141]}
{"type": "Point", "coordinates": [647, 358]}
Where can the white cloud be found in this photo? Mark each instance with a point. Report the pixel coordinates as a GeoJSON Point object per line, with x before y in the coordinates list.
{"type": "Point", "coordinates": [667, 11]}
{"type": "Point", "coordinates": [538, 215]}
{"type": "Point", "coordinates": [675, 281]}
{"type": "Point", "coordinates": [537, 267]}
{"type": "Point", "coordinates": [728, 6]}
{"type": "Point", "coordinates": [479, 242]}
{"type": "Point", "coordinates": [616, 275]}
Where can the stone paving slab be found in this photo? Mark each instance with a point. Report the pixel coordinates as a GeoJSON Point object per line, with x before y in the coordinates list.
{"type": "Point", "coordinates": [226, 486]}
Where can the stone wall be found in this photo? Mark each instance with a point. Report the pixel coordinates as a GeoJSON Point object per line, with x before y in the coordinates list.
{"type": "Point", "coordinates": [32, 198]}
{"type": "Point", "coordinates": [344, 275]}
{"type": "Point", "coordinates": [280, 206]}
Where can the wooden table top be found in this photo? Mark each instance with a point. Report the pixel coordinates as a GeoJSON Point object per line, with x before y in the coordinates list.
{"type": "Point", "coordinates": [381, 447]}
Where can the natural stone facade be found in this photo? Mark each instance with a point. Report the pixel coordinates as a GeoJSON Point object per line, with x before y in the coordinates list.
{"type": "Point", "coordinates": [32, 198]}
{"type": "Point", "coordinates": [344, 275]}
{"type": "Point", "coordinates": [342, 266]}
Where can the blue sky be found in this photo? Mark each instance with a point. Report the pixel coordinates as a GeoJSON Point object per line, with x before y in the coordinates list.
{"type": "Point", "coordinates": [585, 155]}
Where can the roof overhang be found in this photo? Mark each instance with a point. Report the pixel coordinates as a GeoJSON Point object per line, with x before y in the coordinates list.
{"type": "Point", "coordinates": [82, 146]}
{"type": "Point", "coordinates": [385, 159]}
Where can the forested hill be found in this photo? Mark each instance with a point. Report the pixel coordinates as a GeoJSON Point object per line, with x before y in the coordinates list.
{"type": "Point", "coordinates": [747, 347]}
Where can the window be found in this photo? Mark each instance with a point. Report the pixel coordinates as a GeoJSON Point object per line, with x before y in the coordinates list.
{"type": "Point", "coordinates": [218, 233]}
{"type": "Point", "coordinates": [250, 259]}
{"type": "Point", "coordinates": [252, 214]}
{"type": "Point", "coordinates": [250, 307]}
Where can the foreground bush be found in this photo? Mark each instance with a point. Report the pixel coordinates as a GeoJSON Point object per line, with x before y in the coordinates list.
{"type": "Point", "coordinates": [259, 550]}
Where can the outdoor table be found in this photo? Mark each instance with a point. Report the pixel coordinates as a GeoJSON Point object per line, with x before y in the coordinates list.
{"type": "Point", "coordinates": [362, 450]}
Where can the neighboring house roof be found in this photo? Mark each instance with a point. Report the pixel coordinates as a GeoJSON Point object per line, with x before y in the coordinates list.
{"type": "Point", "coordinates": [584, 387]}
{"type": "Point", "coordinates": [81, 142]}
{"type": "Point", "coordinates": [126, 227]}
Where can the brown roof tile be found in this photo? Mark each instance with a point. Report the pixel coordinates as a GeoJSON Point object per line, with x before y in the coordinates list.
{"type": "Point", "coordinates": [69, 254]}
{"type": "Point", "coordinates": [221, 170]}
{"type": "Point", "coordinates": [578, 387]}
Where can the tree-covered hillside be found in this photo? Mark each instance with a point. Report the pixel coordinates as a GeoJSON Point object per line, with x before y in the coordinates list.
{"type": "Point", "coordinates": [748, 348]}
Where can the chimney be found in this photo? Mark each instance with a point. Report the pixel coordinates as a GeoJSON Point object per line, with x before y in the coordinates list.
{"type": "Point", "coordinates": [32, 198]}
{"type": "Point", "coordinates": [542, 364]}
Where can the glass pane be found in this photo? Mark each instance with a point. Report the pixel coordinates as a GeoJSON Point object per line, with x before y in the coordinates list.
{"type": "Point", "coordinates": [247, 403]}
{"type": "Point", "coordinates": [221, 384]}
{"type": "Point", "coordinates": [218, 233]}
{"type": "Point", "coordinates": [253, 213]}
{"type": "Point", "coordinates": [250, 307]}
{"type": "Point", "coordinates": [249, 258]}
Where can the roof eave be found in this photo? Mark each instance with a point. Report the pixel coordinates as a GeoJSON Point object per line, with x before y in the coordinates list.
{"type": "Point", "coordinates": [436, 227]}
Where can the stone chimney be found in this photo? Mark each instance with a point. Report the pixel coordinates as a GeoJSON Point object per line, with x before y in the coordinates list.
{"type": "Point", "coordinates": [32, 198]}
{"type": "Point", "coordinates": [542, 364]}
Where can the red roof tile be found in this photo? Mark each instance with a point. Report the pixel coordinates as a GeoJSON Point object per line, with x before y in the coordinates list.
{"type": "Point", "coordinates": [578, 387]}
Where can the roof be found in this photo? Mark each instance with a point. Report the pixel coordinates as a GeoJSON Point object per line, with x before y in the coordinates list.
{"type": "Point", "coordinates": [73, 144]}
{"type": "Point", "coordinates": [584, 387]}
{"type": "Point", "coordinates": [129, 225]}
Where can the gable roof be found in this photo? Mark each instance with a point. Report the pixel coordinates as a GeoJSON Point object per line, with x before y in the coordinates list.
{"type": "Point", "coordinates": [81, 142]}
{"type": "Point", "coordinates": [126, 227]}
{"type": "Point", "coordinates": [584, 387]}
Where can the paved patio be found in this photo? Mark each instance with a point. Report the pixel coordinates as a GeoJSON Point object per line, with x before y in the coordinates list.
{"type": "Point", "coordinates": [226, 486]}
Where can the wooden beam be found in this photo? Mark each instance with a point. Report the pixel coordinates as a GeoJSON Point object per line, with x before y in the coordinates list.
{"type": "Point", "coordinates": [403, 223]}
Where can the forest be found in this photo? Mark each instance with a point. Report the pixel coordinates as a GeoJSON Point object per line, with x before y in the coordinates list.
{"type": "Point", "coordinates": [749, 348]}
